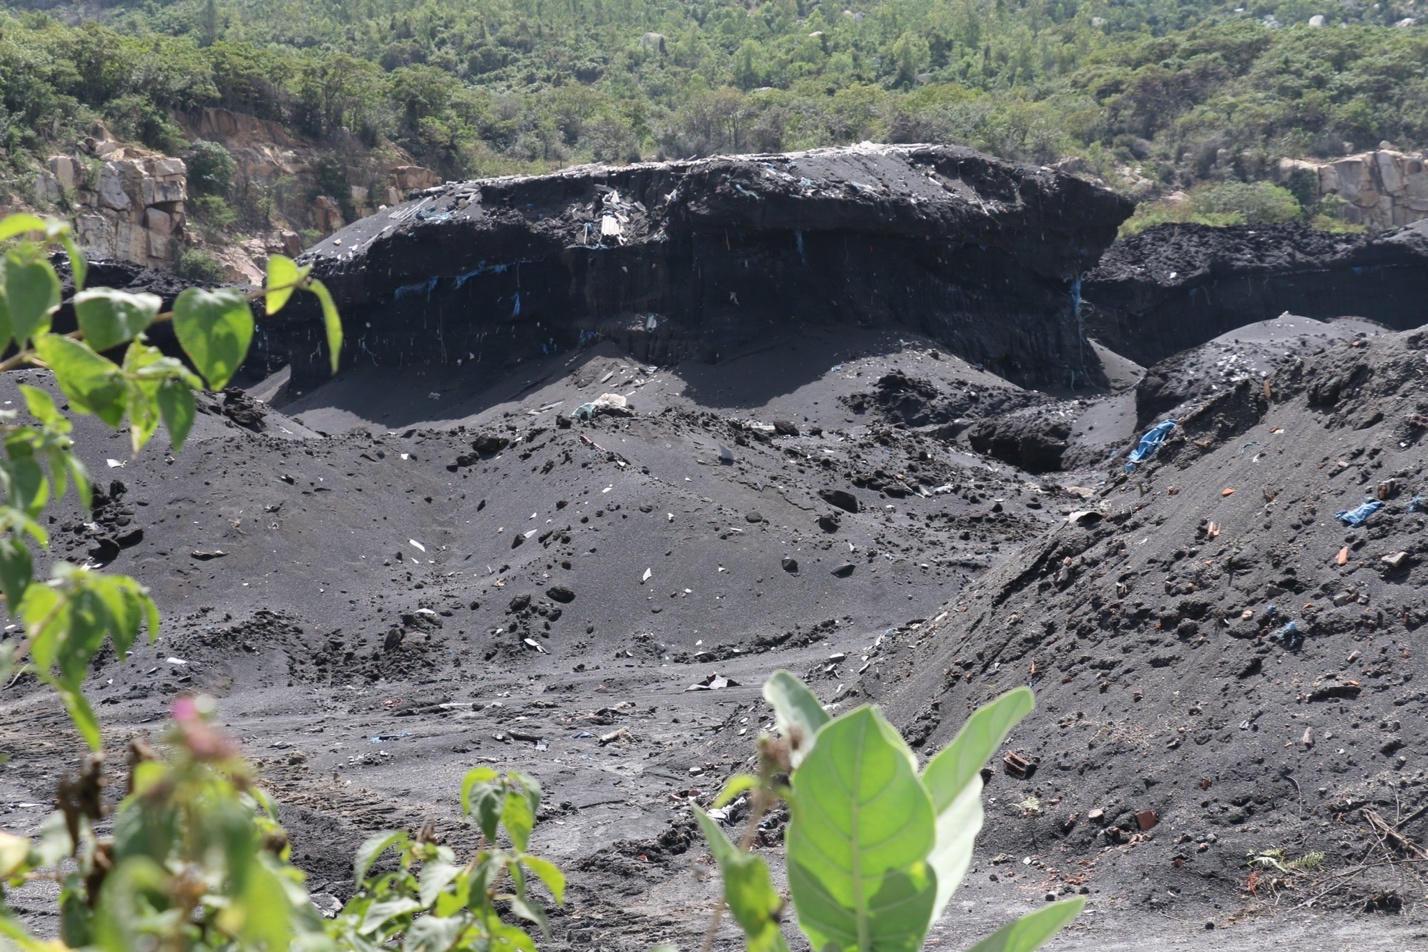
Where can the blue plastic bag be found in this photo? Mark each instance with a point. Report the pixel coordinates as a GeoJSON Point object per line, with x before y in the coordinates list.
{"type": "Point", "coordinates": [1149, 443]}
{"type": "Point", "coordinates": [1356, 517]}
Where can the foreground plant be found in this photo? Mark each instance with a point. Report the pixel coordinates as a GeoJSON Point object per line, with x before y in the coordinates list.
{"type": "Point", "coordinates": [874, 848]}
{"type": "Point", "coordinates": [195, 859]}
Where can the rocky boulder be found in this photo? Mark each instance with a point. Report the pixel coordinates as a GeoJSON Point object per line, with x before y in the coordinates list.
{"type": "Point", "coordinates": [695, 259]}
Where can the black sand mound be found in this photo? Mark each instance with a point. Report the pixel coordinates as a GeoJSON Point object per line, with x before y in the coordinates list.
{"type": "Point", "coordinates": [1213, 644]}
{"type": "Point", "coordinates": [583, 563]}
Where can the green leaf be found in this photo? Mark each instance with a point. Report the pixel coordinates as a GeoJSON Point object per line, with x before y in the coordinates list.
{"type": "Point", "coordinates": [283, 273]}
{"type": "Point", "coordinates": [1032, 929]}
{"type": "Point", "coordinates": [14, 854]}
{"type": "Point", "coordinates": [380, 913]}
{"type": "Point", "coordinates": [16, 571]}
{"type": "Point", "coordinates": [517, 818]}
{"type": "Point", "coordinates": [42, 407]}
{"type": "Point", "coordinates": [954, 781]}
{"type": "Point", "coordinates": [266, 912]}
{"type": "Point", "coordinates": [433, 934]}
{"type": "Point", "coordinates": [330, 321]}
{"type": "Point", "coordinates": [110, 317]}
{"type": "Point", "coordinates": [92, 384]}
{"type": "Point", "coordinates": [948, 772]}
{"type": "Point", "coordinates": [797, 712]}
{"type": "Point", "coordinates": [178, 410]}
{"type": "Point", "coordinates": [19, 224]}
{"type": "Point", "coordinates": [214, 328]}
{"type": "Point", "coordinates": [474, 776]}
{"type": "Point", "coordinates": [82, 715]}
{"type": "Point", "coordinates": [372, 847]}
{"type": "Point", "coordinates": [752, 899]}
{"type": "Point", "coordinates": [79, 268]}
{"type": "Point", "coordinates": [435, 876]}
{"type": "Point", "coordinates": [861, 828]}
{"type": "Point", "coordinates": [32, 292]}
{"type": "Point", "coordinates": [504, 937]}
{"type": "Point", "coordinates": [734, 786]}
{"type": "Point", "coordinates": [549, 874]}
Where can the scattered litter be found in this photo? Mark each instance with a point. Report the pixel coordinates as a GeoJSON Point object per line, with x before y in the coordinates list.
{"type": "Point", "coordinates": [178, 661]}
{"type": "Point", "coordinates": [582, 735]}
{"type": "Point", "coordinates": [114, 463]}
{"type": "Point", "coordinates": [203, 555]}
{"type": "Point", "coordinates": [620, 736]}
{"type": "Point", "coordinates": [1149, 443]}
{"type": "Point", "coordinates": [1085, 517]}
{"type": "Point", "coordinates": [713, 682]}
{"type": "Point", "coordinates": [610, 403]}
{"type": "Point", "coordinates": [649, 573]}
{"type": "Point", "coordinates": [532, 643]}
{"type": "Point", "coordinates": [1020, 767]}
{"type": "Point", "coordinates": [1356, 517]}
{"type": "Point", "coordinates": [1227, 491]}
{"type": "Point", "coordinates": [419, 546]}
{"type": "Point", "coordinates": [381, 737]}
{"type": "Point", "coordinates": [1343, 556]}
{"type": "Point", "coordinates": [1290, 635]}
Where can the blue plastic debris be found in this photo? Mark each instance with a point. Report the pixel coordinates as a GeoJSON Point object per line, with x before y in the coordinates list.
{"type": "Point", "coordinates": [1290, 635]}
{"type": "Point", "coordinates": [1414, 503]}
{"type": "Point", "coordinates": [431, 214]}
{"type": "Point", "coordinates": [1356, 517]}
{"type": "Point", "coordinates": [1149, 443]}
{"type": "Point", "coordinates": [381, 737]}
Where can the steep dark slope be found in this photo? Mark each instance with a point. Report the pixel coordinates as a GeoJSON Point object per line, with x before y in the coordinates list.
{"type": "Point", "coordinates": [698, 259]}
{"type": "Point", "coordinates": [1172, 287]}
{"type": "Point", "coordinates": [1212, 644]}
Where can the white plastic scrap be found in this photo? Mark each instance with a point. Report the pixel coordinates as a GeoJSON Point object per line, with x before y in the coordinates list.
{"type": "Point", "coordinates": [417, 544]}
{"type": "Point", "coordinates": [649, 573]}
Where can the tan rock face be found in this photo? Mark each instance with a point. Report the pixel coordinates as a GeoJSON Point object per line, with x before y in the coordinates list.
{"type": "Point", "coordinates": [131, 209]}
{"type": "Point", "coordinates": [1383, 189]}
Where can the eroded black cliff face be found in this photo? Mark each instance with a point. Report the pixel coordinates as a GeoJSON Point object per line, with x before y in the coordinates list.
{"type": "Point", "coordinates": [696, 259]}
{"type": "Point", "coordinates": [1173, 287]}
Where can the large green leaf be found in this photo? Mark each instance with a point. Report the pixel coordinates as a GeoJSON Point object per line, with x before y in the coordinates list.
{"type": "Point", "coordinates": [861, 829]}
{"type": "Point", "coordinates": [372, 847]}
{"type": "Point", "coordinates": [20, 223]}
{"type": "Point", "coordinates": [110, 317]}
{"type": "Point", "coordinates": [32, 292]}
{"type": "Point", "coordinates": [178, 410]}
{"type": "Point", "coordinates": [797, 712]}
{"type": "Point", "coordinates": [330, 322]}
{"type": "Point", "coordinates": [214, 328]}
{"type": "Point", "coordinates": [433, 934]}
{"type": "Point", "coordinates": [92, 383]}
{"type": "Point", "coordinates": [282, 274]}
{"type": "Point", "coordinates": [549, 874]}
{"type": "Point", "coordinates": [1032, 929]}
{"type": "Point", "coordinates": [954, 781]}
{"type": "Point", "coordinates": [750, 894]}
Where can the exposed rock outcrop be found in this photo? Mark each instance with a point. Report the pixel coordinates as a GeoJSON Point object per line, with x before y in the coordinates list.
{"type": "Point", "coordinates": [696, 259]}
{"type": "Point", "coordinates": [279, 171]}
{"type": "Point", "coordinates": [1382, 189]}
{"type": "Point", "coordinates": [126, 205]}
{"type": "Point", "coordinates": [1172, 287]}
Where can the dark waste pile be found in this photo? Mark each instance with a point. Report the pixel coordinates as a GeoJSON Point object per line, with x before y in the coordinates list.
{"type": "Point", "coordinates": [581, 554]}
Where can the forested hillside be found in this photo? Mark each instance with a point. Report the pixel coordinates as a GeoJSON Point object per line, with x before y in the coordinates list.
{"type": "Point", "coordinates": [1175, 91]}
